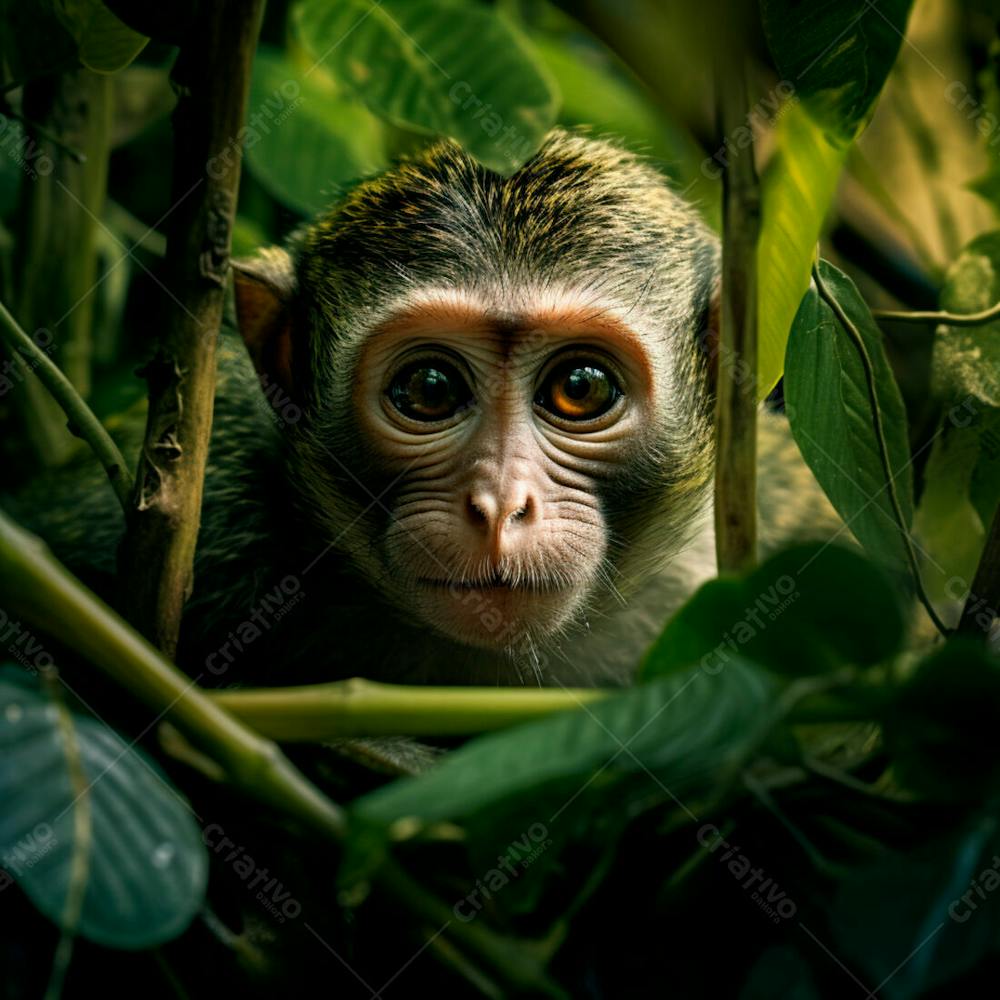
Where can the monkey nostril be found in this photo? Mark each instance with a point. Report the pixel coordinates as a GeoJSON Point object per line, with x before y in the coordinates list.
{"type": "Point", "coordinates": [478, 510]}
{"type": "Point", "coordinates": [520, 513]}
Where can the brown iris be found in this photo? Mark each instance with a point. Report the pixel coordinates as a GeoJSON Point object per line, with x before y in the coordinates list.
{"type": "Point", "coordinates": [578, 391]}
{"type": "Point", "coordinates": [428, 390]}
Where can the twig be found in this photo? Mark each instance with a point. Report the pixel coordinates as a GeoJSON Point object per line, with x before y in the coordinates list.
{"type": "Point", "coordinates": [940, 318]}
{"type": "Point", "coordinates": [213, 73]}
{"type": "Point", "coordinates": [883, 448]}
{"type": "Point", "coordinates": [736, 393]}
{"type": "Point", "coordinates": [82, 420]}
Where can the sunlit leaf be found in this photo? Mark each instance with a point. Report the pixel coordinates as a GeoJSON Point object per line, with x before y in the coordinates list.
{"type": "Point", "coordinates": [302, 142]}
{"type": "Point", "coordinates": [797, 189]}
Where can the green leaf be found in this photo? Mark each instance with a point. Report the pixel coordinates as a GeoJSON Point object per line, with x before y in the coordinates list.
{"type": "Point", "coordinates": [146, 863]}
{"type": "Point", "coordinates": [809, 609]}
{"type": "Point", "coordinates": [55, 35]}
{"type": "Point", "coordinates": [832, 420]}
{"type": "Point", "coordinates": [837, 54]}
{"type": "Point", "coordinates": [916, 921]}
{"type": "Point", "coordinates": [302, 142]}
{"type": "Point", "coordinates": [966, 360]}
{"type": "Point", "coordinates": [574, 764]}
{"type": "Point", "coordinates": [797, 189]}
{"type": "Point", "coordinates": [104, 42]}
{"type": "Point", "coordinates": [943, 731]}
{"type": "Point", "coordinates": [458, 70]}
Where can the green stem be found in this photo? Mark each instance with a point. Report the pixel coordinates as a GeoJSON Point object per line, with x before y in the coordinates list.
{"type": "Point", "coordinates": [883, 447]}
{"type": "Point", "coordinates": [359, 707]}
{"type": "Point", "coordinates": [36, 585]}
{"type": "Point", "coordinates": [81, 418]}
{"type": "Point", "coordinates": [736, 393]}
{"type": "Point", "coordinates": [940, 318]}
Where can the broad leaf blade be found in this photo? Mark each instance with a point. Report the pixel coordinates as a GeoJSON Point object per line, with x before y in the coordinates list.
{"type": "Point", "coordinates": [458, 70]}
{"type": "Point", "coordinates": [811, 608]}
{"type": "Point", "coordinates": [302, 142]}
{"type": "Point", "coordinates": [146, 866]}
{"type": "Point", "coordinates": [577, 760]}
{"type": "Point", "coordinates": [797, 189]}
{"type": "Point", "coordinates": [833, 423]}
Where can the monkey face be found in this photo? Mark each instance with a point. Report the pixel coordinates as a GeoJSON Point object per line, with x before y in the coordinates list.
{"type": "Point", "coordinates": [506, 409]}
{"type": "Point", "coordinates": [498, 433]}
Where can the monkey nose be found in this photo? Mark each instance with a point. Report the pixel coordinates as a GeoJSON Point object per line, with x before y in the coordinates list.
{"type": "Point", "coordinates": [495, 512]}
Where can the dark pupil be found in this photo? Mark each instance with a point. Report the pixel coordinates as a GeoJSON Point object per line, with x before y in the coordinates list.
{"type": "Point", "coordinates": [430, 387]}
{"type": "Point", "coordinates": [426, 393]}
{"type": "Point", "coordinates": [577, 384]}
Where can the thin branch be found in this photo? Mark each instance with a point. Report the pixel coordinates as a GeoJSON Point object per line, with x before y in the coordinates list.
{"type": "Point", "coordinates": [883, 448]}
{"type": "Point", "coordinates": [736, 393]}
{"type": "Point", "coordinates": [940, 318]}
{"type": "Point", "coordinates": [213, 76]}
{"type": "Point", "coordinates": [82, 420]}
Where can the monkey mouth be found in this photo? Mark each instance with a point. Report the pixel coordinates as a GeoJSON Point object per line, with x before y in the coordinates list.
{"type": "Point", "coordinates": [497, 582]}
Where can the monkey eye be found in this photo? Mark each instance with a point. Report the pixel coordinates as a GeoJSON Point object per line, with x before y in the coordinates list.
{"type": "Point", "coordinates": [428, 391]}
{"type": "Point", "coordinates": [578, 390]}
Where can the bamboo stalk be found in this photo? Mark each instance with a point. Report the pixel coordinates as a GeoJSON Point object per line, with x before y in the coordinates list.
{"type": "Point", "coordinates": [736, 393]}
{"type": "Point", "coordinates": [213, 75]}
{"type": "Point", "coordinates": [358, 707]}
{"type": "Point", "coordinates": [34, 584]}
{"type": "Point", "coordinates": [67, 121]}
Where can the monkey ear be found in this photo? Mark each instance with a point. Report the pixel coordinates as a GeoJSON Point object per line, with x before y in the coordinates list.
{"type": "Point", "coordinates": [264, 288]}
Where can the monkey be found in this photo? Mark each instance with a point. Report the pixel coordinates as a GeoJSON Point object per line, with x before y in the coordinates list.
{"type": "Point", "coordinates": [465, 434]}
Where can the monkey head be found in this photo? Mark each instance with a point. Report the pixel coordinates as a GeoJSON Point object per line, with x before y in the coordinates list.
{"type": "Point", "coordinates": [505, 394]}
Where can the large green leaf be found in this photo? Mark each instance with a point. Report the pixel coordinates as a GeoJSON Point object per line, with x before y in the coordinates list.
{"type": "Point", "coordinates": [834, 424]}
{"type": "Point", "coordinates": [459, 70]}
{"type": "Point", "coordinates": [680, 735]}
{"type": "Point", "coordinates": [52, 35]}
{"type": "Point", "coordinates": [809, 609]}
{"type": "Point", "coordinates": [931, 914]}
{"type": "Point", "coordinates": [302, 142]}
{"type": "Point", "coordinates": [104, 42]}
{"type": "Point", "coordinates": [836, 53]}
{"type": "Point", "coordinates": [797, 189]}
{"type": "Point", "coordinates": [145, 863]}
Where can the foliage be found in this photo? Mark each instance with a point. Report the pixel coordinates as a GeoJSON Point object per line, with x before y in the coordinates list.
{"type": "Point", "coordinates": [803, 771]}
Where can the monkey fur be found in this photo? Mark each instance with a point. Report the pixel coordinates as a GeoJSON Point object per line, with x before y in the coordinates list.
{"type": "Point", "coordinates": [294, 574]}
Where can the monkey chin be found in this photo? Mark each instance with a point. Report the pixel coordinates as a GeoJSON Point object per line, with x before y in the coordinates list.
{"type": "Point", "coordinates": [498, 617]}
